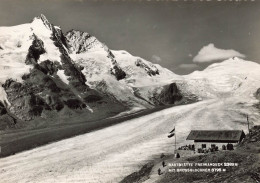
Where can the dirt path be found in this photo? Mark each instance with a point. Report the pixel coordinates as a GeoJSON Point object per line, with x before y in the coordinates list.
{"type": "Point", "coordinates": [110, 154]}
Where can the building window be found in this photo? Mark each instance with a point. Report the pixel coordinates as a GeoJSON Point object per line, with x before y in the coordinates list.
{"type": "Point", "coordinates": [203, 146]}
{"type": "Point", "coordinates": [213, 146]}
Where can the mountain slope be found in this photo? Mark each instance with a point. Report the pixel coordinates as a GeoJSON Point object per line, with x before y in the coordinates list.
{"type": "Point", "coordinates": [47, 75]}
{"type": "Point", "coordinates": [129, 79]}
{"type": "Point", "coordinates": [39, 79]}
{"type": "Point", "coordinates": [234, 77]}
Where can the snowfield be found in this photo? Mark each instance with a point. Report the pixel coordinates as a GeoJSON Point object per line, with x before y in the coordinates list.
{"type": "Point", "coordinates": [110, 154]}
{"type": "Point", "coordinates": [232, 77]}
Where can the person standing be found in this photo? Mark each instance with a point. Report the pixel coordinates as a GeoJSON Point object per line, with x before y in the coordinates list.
{"type": "Point", "coordinates": [163, 164]}
{"type": "Point", "coordinates": [159, 171]}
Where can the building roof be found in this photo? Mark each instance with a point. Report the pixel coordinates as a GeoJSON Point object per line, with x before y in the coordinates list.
{"type": "Point", "coordinates": [216, 135]}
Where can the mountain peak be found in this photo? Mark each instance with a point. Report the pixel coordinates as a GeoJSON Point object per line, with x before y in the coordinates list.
{"type": "Point", "coordinates": [45, 21]}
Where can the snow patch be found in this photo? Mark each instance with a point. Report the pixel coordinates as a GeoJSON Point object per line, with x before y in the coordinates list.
{"type": "Point", "coordinates": [128, 112]}
{"type": "Point", "coordinates": [3, 97]}
{"type": "Point", "coordinates": [63, 77]}
{"type": "Point", "coordinates": [43, 33]}
{"type": "Point", "coordinates": [89, 108]}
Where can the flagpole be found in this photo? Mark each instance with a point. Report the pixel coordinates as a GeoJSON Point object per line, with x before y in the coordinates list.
{"type": "Point", "coordinates": [248, 124]}
{"type": "Point", "coordinates": [175, 138]}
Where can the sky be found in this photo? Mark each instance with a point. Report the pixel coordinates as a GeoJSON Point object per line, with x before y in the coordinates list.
{"type": "Point", "coordinates": [181, 36]}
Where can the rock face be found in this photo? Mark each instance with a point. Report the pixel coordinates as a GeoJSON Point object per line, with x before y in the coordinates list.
{"type": "Point", "coordinates": [35, 50]}
{"type": "Point", "coordinates": [77, 79]}
{"type": "Point", "coordinates": [257, 94]}
{"type": "Point", "coordinates": [25, 99]}
{"type": "Point", "coordinates": [253, 136]}
{"type": "Point", "coordinates": [48, 67]}
{"type": "Point", "coordinates": [6, 120]}
{"type": "Point", "coordinates": [116, 70]}
{"type": "Point", "coordinates": [82, 42]}
{"type": "Point", "coordinates": [150, 69]}
{"type": "Point", "coordinates": [2, 109]}
{"type": "Point", "coordinates": [170, 94]}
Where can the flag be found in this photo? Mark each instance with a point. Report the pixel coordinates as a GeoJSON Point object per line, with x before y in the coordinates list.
{"type": "Point", "coordinates": [172, 130]}
{"type": "Point", "coordinates": [171, 135]}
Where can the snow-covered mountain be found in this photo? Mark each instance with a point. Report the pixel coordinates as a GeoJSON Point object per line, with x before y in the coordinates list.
{"type": "Point", "coordinates": [39, 78]}
{"type": "Point", "coordinates": [231, 78]}
{"type": "Point", "coordinates": [44, 72]}
{"type": "Point", "coordinates": [128, 78]}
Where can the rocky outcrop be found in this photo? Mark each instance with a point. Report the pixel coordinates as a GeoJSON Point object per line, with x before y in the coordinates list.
{"type": "Point", "coordinates": [170, 94]}
{"type": "Point", "coordinates": [92, 98]}
{"type": "Point", "coordinates": [35, 50]}
{"type": "Point", "coordinates": [24, 103]}
{"type": "Point", "coordinates": [150, 69]}
{"type": "Point", "coordinates": [116, 70]}
{"type": "Point", "coordinates": [82, 41]}
{"type": "Point", "coordinates": [39, 92]}
{"type": "Point", "coordinates": [2, 109]}
{"type": "Point", "coordinates": [62, 38]}
{"type": "Point", "coordinates": [257, 94]}
{"type": "Point", "coordinates": [75, 104]}
{"type": "Point", "coordinates": [6, 119]}
{"type": "Point", "coordinates": [48, 67]}
{"type": "Point", "coordinates": [77, 79]}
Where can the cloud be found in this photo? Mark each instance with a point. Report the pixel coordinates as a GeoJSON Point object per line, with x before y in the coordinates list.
{"type": "Point", "coordinates": [188, 66]}
{"type": "Point", "coordinates": [210, 53]}
{"type": "Point", "coordinates": [156, 59]}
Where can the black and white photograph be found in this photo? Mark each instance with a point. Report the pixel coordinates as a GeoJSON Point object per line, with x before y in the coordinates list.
{"type": "Point", "coordinates": [129, 91]}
